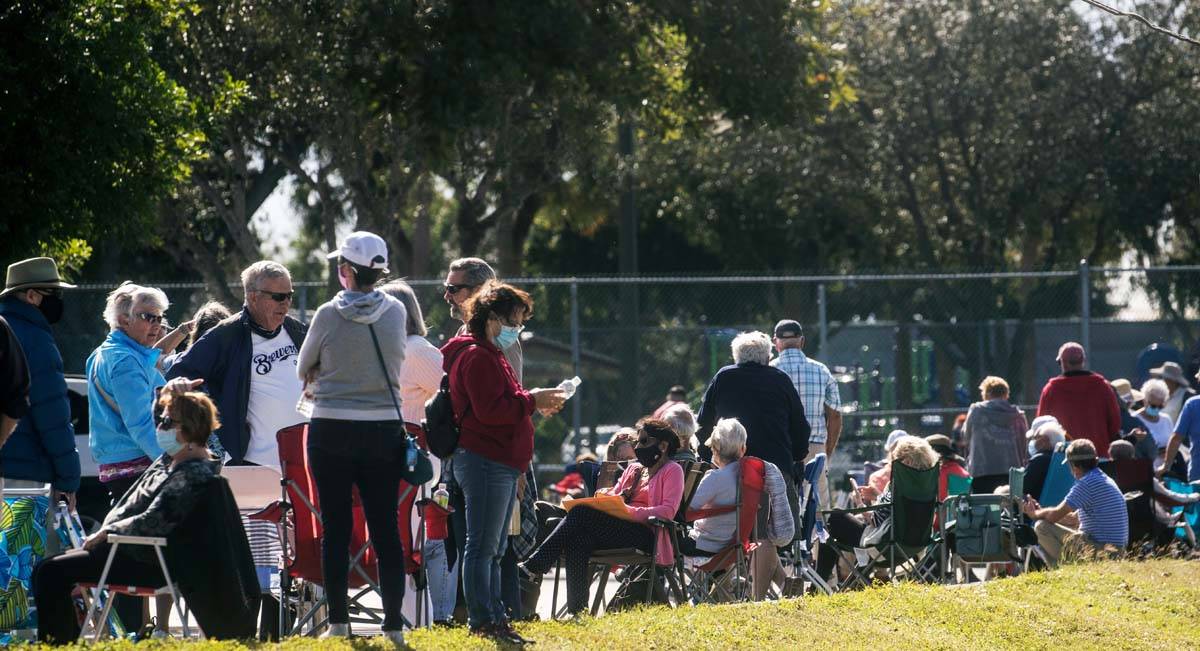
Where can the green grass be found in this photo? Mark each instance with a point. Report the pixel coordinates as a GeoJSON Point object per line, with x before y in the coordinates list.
{"type": "Point", "coordinates": [1110, 605]}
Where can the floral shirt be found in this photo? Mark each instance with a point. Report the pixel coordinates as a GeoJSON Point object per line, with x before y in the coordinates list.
{"type": "Point", "coordinates": [161, 499]}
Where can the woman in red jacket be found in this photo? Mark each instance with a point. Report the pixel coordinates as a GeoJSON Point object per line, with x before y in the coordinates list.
{"type": "Point", "coordinates": [496, 443]}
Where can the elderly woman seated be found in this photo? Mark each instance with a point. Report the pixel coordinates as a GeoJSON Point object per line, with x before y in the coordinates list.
{"type": "Point", "coordinates": [719, 488]}
{"type": "Point", "coordinates": [683, 421]}
{"type": "Point", "coordinates": [651, 487]}
{"type": "Point", "coordinates": [161, 499]}
{"type": "Point", "coordinates": [860, 531]}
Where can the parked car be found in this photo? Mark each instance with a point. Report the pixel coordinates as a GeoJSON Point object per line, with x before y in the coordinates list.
{"type": "Point", "coordinates": [92, 499]}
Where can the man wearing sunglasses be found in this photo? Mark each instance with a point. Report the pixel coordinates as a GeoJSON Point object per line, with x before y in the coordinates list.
{"type": "Point", "coordinates": [42, 447]}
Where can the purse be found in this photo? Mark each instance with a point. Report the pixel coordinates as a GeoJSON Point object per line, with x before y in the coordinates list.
{"type": "Point", "coordinates": [417, 469]}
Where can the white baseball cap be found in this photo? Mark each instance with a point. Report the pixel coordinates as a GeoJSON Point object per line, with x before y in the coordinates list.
{"type": "Point", "coordinates": [363, 249]}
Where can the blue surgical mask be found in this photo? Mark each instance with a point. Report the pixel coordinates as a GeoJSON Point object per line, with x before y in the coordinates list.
{"type": "Point", "coordinates": [1153, 411]}
{"type": "Point", "coordinates": [508, 336]}
{"type": "Point", "coordinates": [167, 441]}
{"type": "Point", "coordinates": [1032, 447]}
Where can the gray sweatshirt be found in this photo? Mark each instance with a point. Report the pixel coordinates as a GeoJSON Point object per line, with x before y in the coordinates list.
{"type": "Point", "coordinates": [994, 433]}
{"type": "Point", "coordinates": [349, 382]}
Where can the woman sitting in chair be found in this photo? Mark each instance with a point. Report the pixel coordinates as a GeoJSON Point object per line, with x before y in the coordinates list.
{"type": "Point", "coordinates": [162, 498]}
{"type": "Point", "coordinates": [853, 530]}
{"type": "Point", "coordinates": [651, 487]}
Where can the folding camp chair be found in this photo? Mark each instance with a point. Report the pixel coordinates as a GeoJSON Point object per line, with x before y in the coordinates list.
{"type": "Point", "coordinates": [23, 526]}
{"type": "Point", "coordinates": [725, 576]}
{"type": "Point", "coordinates": [910, 536]}
{"type": "Point", "coordinates": [1059, 481]}
{"type": "Point", "coordinates": [802, 567]}
{"type": "Point", "coordinates": [299, 512]}
{"type": "Point", "coordinates": [98, 610]}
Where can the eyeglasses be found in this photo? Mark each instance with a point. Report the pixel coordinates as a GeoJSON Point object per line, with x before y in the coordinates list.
{"type": "Point", "coordinates": [150, 317]}
{"type": "Point", "coordinates": [166, 422]}
{"type": "Point", "coordinates": [454, 289]}
{"type": "Point", "coordinates": [278, 297]}
{"type": "Point", "coordinates": [48, 291]}
{"type": "Point", "coordinates": [645, 441]}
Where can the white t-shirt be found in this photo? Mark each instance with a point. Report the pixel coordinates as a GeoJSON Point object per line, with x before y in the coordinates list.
{"type": "Point", "coordinates": [420, 376]}
{"type": "Point", "coordinates": [1161, 430]}
{"type": "Point", "coordinates": [274, 391]}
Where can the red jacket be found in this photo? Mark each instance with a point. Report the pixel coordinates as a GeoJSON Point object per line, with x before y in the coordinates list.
{"type": "Point", "coordinates": [493, 411]}
{"type": "Point", "coordinates": [1085, 405]}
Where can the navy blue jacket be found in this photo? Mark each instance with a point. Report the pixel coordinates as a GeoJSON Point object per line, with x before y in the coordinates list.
{"type": "Point", "coordinates": [42, 448]}
{"type": "Point", "coordinates": [766, 403]}
{"type": "Point", "coordinates": [222, 359]}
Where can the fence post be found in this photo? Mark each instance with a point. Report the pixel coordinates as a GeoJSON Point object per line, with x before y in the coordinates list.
{"type": "Point", "coordinates": [822, 322]}
{"type": "Point", "coordinates": [1085, 307]}
{"type": "Point", "coordinates": [576, 405]}
{"type": "Point", "coordinates": [302, 303]}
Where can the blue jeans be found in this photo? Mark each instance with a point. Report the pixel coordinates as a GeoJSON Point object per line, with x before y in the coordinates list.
{"type": "Point", "coordinates": [443, 581]}
{"type": "Point", "coordinates": [489, 489]}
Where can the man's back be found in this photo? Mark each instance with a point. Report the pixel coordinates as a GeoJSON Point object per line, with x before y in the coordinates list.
{"type": "Point", "coordinates": [816, 387]}
{"type": "Point", "coordinates": [764, 400]}
{"type": "Point", "coordinates": [1085, 405]}
{"type": "Point", "coordinates": [1101, 508]}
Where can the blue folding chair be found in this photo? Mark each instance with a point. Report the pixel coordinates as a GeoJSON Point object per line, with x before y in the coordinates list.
{"type": "Point", "coordinates": [1191, 512]}
{"type": "Point", "coordinates": [1059, 481]}
{"type": "Point", "coordinates": [810, 502]}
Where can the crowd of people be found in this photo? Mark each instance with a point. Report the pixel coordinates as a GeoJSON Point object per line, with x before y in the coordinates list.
{"type": "Point", "coordinates": [170, 408]}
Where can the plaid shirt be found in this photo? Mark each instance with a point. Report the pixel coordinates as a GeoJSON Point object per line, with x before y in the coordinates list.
{"type": "Point", "coordinates": [816, 387]}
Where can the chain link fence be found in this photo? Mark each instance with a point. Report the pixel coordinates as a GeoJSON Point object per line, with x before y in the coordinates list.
{"type": "Point", "coordinates": [908, 350]}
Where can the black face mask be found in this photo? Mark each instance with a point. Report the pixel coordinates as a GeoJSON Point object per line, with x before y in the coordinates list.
{"type": "Point", "coordinates": [648, 456]}
{"type": "Point", "coordinates": [51, 308]}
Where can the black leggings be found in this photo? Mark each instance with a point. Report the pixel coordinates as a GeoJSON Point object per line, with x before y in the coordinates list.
{"type": "Point", "coordinates": [582, 532]}
{"type": "Point", "coordinates": [341, 455]}
{"type": "Point", "coordinates": [844, 528]}
{"type": "Point", "coordinates": [54, 579]}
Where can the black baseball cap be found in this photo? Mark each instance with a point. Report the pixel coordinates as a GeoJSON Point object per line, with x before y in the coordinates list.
{"type": "Point", "coordinates": [788, 328]}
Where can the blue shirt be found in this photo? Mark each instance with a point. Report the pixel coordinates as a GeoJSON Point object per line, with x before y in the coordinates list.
{"type": "Point", "coordinates": [1189, 428]}
{"type": "Point", "coordinates": [1101, 508]}
{"type": "Point", "coordinates": [816, 387]}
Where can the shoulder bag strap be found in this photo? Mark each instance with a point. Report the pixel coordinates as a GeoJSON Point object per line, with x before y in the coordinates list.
{"type": "Point", "coordinates": [383, 365]}
{"type": "Point", "coordinates": [95, 382]}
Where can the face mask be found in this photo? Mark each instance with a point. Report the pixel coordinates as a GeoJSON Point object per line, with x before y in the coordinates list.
{"type": "Point", "coordinates": [648, 456]}
{"type": "Point", "coordinates": [507, 337]}
{"type": "Point", "coordinates": [51, 308]}
{"type": "Point", "coordinates": [1153, 411]}
{"type": "Point", "coordinates": [167, 441]}
{"type": "Point", "coordinates": [1032, 448]}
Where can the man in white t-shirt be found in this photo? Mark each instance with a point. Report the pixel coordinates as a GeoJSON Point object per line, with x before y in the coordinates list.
{"type": "Point", "coordinates": [248, 364]}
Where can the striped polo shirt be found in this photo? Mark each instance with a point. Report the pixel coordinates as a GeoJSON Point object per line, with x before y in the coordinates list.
{"type": "Point", "coordinates": [1101, 508]}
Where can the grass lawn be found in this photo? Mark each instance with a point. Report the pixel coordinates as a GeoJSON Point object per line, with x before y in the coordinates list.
{"type": "Point", "coordinates": [1111, 605]}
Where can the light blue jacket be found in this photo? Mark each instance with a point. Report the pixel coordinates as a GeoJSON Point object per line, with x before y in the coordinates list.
{"type": "Point", "coordinates": [122, 371]}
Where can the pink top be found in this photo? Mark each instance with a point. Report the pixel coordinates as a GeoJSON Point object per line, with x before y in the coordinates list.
{"type": "Point", "coordinates": [665, 491]}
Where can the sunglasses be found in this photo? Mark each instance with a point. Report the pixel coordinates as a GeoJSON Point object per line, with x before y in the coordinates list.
{"type": "Point", "coordinates": [454, 289]}
{"type": "Point", "coordinates": [167, 422]}
{"type": "Point", "coordinates": [278, 297]}
{"type": "Point", "coordinates": [645, 441]}
{"type": "Point", "coordinates": [150, 317]}
{"type": "Point", "coordinates": [50, 292]}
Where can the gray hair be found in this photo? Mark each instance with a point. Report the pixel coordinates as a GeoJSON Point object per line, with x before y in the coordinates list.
{"type": "Point", "coordinates": [683, 421]}
{"type": "Point", "coordinates": [1155, 389]}
{"type": "Point", "coordinates": [404, 293]}
{"type": "Point", "coordinates": [124, 300]}
{"type": "Point", "coordinates": [752, 347]}
{"type": "Point", "coordinates": [727, 439]}
{"type": "Point", "coordinates": [1054, 433]}
{"type": "Point", "coordinates": [263, 269]}
{"type": "Point", "coordinates": [478, 271]}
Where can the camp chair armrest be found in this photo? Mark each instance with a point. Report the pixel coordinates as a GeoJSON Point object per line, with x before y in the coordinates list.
{"type": "Point", "coordinates": [861, 509]}
{"type": "Point", "coordinates": [137, 540]}
{"type": "Point", "coordinates": [656, 521]}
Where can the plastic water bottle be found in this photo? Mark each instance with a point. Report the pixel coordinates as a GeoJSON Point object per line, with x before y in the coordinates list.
{"type": "Point", "coordinates": [568, 387]}
{"type": "Point", "coordinates": [441, 496]}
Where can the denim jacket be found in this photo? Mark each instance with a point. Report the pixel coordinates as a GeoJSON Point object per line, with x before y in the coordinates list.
{"type": "Point", "coordinates": [123, 381]}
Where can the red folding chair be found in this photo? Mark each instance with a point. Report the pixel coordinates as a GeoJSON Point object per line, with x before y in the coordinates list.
{"type": "Point", "coordinates": [725, 576]}
{"type": "Point", "coordinates": [299, 516]}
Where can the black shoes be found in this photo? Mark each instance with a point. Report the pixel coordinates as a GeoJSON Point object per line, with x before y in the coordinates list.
{"type": "Point", "coordinates": [500, 633]}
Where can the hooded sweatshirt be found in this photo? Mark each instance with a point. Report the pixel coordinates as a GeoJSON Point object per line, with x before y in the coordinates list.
{"type": "Point", "coordinates": [995, 435]}
{"type": "Point", "coordinates": [350, 384]}
{"type": "Point", "coordinates": [493, 410]}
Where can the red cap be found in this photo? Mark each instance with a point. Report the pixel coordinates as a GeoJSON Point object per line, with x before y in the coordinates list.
{"type": "Point", "coordinates": [1071, 353]}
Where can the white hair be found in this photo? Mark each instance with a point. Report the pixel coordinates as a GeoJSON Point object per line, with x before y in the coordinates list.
{"type": "Point", "coordinates": [126, 299]}
{"type": "Point", "coordinates": [262, 269]}
{"type": "Point", "coordinates": [1054, 432]}
{"type": "Point", "coordinates": [752, 347]}
{"type": "Point", "coordinates": [727, 439]}
{"type": "Point", "coordinates": [683, 421]}
{"type": "Point", "coordinates": [1155, 388]}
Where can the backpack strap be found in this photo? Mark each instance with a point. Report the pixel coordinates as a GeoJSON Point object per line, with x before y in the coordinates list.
{"type": "Point", "coordinates": [453, 360]}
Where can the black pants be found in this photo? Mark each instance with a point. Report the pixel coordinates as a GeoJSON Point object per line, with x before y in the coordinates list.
{"type": "Point", "coordinates": [341, 455]}
{"type": "Point", "coordinates": [987, 484]}
{"type": "Point", "coordinates": [129, 609]}
{"type": "Point", "coordinates": [847, 530]}
{"type": "Point", "coordinates": [582, 532]}
{"type": "Point", "coordinates": [54, 578]}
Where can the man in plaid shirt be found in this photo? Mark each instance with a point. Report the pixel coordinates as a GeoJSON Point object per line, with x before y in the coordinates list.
{"type": "Point", "coordinates": [818, 391]}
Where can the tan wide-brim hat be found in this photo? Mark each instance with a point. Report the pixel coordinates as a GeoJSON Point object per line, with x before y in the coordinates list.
{"type": "Point", "coordinates": [33, 273]}
{"type": "Point", "coordinates": [1171, 371]}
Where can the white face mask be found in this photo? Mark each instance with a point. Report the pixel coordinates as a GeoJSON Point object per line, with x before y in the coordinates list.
{"type": "Point", "coordinates": [1032, 447]}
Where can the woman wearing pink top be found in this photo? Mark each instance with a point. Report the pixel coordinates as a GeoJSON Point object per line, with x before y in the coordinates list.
{"type": "Point", "coordinates": [651, 486]}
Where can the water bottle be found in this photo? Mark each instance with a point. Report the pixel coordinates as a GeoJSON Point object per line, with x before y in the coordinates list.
{"type": "Point", "coordinates": [441, 496]}
{"type": "Point", "coordinates": [568, 387]}
{"type": "Point", "coordinates": [410, 454]}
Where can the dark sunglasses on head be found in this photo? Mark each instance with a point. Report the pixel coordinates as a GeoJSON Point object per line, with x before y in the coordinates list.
{"type": "Point", "coordinates": [149, 317]}
{"type": "Point", "coordinates": [278, 297]}
{"type": "Point", "coordinates": [454, 289]}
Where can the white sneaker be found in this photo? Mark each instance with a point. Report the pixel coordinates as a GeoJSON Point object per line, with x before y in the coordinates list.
{"type": "Point", "coordinates": [336, 630]}
{"type": "Point", "coordinates": [160, 634]}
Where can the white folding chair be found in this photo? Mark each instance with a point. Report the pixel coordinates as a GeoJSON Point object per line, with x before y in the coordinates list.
{"type": "Point", "coordinates": [98, 609]}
